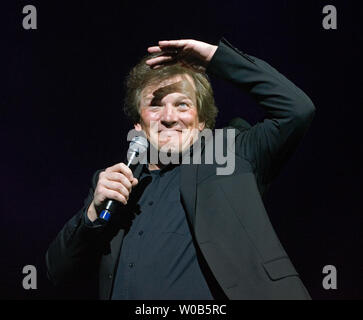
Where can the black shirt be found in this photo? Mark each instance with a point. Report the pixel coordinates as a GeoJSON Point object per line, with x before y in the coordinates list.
{"type": "Point", "coordinates": [158, 259]}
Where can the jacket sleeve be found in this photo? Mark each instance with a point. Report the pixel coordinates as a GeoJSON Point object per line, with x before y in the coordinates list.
{"type": "Point", "coordinates": [288, 110]}
{"type": "Point", "coordinates": [76, 251]}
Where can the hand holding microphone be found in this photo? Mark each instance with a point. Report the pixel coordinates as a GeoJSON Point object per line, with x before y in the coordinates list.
{"type": "Point", "coordinates": [115, 183]}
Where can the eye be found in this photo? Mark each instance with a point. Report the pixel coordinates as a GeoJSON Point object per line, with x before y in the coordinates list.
{"type": "Point", "coordinates": [154, 108]}
{"type": "Point", "coordinates": [183, 105]}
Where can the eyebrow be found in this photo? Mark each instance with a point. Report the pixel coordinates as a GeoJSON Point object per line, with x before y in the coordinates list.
{"type": "Point", "coordinates": [154, 102]}
{"type": "Point", "coordinates": [181, 96]}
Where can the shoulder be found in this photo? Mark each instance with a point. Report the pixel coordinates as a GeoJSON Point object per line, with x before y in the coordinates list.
{"type": "Point", "coordinates": [239, 123]}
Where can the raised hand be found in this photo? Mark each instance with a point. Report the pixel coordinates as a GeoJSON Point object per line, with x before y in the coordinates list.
{"type": "Point", "coordinates": [193, 53]}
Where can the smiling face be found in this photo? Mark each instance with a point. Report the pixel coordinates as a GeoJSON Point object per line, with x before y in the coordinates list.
{"type": "Point", "coordinates": [169, 115]}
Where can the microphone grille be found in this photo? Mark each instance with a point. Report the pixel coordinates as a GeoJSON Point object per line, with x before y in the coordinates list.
{"type": "Point", "coordinates": [138, 144]}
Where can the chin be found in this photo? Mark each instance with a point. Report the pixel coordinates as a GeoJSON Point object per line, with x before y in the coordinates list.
{"type": "Point", "coordinates": [170, 148]}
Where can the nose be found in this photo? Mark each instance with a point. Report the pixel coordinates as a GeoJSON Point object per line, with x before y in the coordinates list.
{"type": "Point", "coordinates": [169, 116]}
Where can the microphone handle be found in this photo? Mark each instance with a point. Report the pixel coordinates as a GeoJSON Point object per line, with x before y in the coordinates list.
{"type": "Point", "coordinates": [112, 205]}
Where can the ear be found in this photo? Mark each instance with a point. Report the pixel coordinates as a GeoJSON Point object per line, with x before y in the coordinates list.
{"type": "Point", "coordinates": [137, 127]}
{"type": "Point", "coordinates": [201, 126]}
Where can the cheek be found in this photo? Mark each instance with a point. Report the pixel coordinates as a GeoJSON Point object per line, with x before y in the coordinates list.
{"type": "Point", "coordinates": [189, 118]}
{"type": "Point", "coordinates": [148, 117]}
{"type": "Point", "coordinates": [153, 116]}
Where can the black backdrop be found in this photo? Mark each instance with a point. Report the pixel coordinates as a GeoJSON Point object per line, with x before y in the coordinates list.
{"type": "Point", "coordinates": [61, 119]}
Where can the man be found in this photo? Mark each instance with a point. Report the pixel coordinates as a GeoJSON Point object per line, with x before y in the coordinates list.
{"type": "Point", "coordinates": [183, 231]}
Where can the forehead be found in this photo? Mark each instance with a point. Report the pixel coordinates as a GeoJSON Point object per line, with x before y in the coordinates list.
{"type": "Point", "coordinates": [182, 84]}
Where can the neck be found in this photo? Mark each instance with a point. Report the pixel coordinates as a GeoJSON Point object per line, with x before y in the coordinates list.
{"type": "Point", "coordinates": [158, 166]}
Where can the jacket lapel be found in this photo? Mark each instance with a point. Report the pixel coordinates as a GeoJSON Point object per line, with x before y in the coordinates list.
{"type": "Point", "coordinates": [189, 176]}
{"type": "Point", "coordinates": [188, 189]}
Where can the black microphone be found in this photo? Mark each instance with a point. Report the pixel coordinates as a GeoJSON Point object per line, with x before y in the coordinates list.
{"type": "Point", "coordinates": [138, 146]}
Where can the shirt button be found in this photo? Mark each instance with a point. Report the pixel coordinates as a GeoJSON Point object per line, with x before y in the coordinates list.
{"type": "Point", "coordinates": [131, 264]}
{"type": "Point", "coordinates": [141, 232]}
{"type": "Point", "coordinates": [151, 203]}
{"type": "Point", "coordinates": [110, 276]}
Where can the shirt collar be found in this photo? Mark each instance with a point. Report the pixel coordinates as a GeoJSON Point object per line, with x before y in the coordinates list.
{"type": "Point", "coordinates": [162, 171]}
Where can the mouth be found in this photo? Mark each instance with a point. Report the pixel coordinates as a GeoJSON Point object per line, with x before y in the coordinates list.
{"type": "Point", "coordinates": [170, 130]}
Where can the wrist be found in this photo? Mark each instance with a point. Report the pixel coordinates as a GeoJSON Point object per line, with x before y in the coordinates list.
{"type": "Point", "coordinates": [211, 53]}
{"type": "Point", "coordinates": [92, 213]}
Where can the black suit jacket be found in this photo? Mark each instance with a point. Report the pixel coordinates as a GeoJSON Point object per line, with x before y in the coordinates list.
{"type": "Point", "coordinates": [226, 214]}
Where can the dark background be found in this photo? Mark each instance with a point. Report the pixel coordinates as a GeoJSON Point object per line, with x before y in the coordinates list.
{"type": "Point", "coordinates": [61, 120]}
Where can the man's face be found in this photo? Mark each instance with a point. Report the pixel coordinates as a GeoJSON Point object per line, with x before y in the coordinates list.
{"type": "Point", "coordinates": [168, 114]}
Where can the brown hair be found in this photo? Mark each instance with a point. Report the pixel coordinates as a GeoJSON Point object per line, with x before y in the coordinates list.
{"type": "Point", "coordinates": [142, 75]}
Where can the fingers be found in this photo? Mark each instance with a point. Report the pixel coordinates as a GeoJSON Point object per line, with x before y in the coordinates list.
{"type": "Point", "coordinates": [170, 50]}
{"type": "Point", "coordinates": [169, 46]}
{"type": "Point", "coordinates": [174, 43]}
{"type": "Point", "coordinates": [115, 183]}
{"type": "Point", "coordinates": [159, 60]}
{"type": "Point", "coordinates": [112, 195]}
{"type": "Point", "coordinates": [154, 49]}
{"type": "Point", "coordinates": [116, 186]}
{"type": "Point", "coordinates": [119, 177]}
{"type": "Point", "coordinates": [121, 168]}
{"type": "Point", "coordinates": [168, 54]}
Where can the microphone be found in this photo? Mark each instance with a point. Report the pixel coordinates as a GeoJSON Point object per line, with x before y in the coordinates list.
{"type": "Point", "coordinates": [138, 146]}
